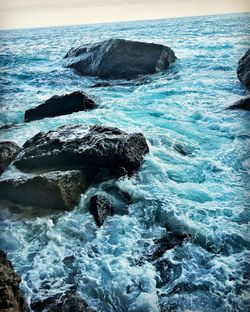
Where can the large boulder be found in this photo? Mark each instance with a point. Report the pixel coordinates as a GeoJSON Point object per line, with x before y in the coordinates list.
{"type": "Point", "coordinates": [119, 59]}
{"type": "Point", "coordinates": [243, 70]}
{"type": "Point", "coordinates": [88, 147]}
{"type": "Point", "coordinates": [243, 103]}
{"type": "Point", "coordinates": [11, 298]}
{"type": "Point", "coordinates": [101, 208]}
{"type": "Point", "coordinates": [51, 190]}
{"type": "Point", "coordinates": [59, 105]}
{"type": "Point", "coordinates": [8, 151]}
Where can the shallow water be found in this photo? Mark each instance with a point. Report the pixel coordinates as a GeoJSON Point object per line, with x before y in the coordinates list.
{"type": "Point", "coordinates": [204, 194]}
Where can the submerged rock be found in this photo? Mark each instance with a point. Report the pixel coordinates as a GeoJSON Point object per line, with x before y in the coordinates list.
{"type": "Point", "coordinates": [243, 103]}
{"type": "Point", "coordinates": [243, 70]}
{"type": "Point", "coordinates": [67, 302]}
{"type": "Point", "coordinates": [101, 85]}
{"type": "Point", "coordinates": [8, 151]}
{"type": "Point", "coordinates": [59, 105]}
{"type": "Point", "coordinates": [119, 59]}
{"type": "Point", "coordinates": [101, 208]}
{"type": "Point", "coordinates": [7, 126]}
{"type": "Point", "coordinates": [52, 190]}
{"type": "Point", "coordinates": [168, 241]}
{"type": "Point", "coordinates": [95, 148]}
{"type": "Point", "coordinates": [11, 298]}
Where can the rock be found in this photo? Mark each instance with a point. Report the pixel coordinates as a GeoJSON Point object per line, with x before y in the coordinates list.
{"type": "Point", "coordinates": [101, 208]}
{"type": "Point", "coordinates": [52, 190]}
{"type": "Point", "coordinates": [101, 85]}
{"type": "Point", "coordinates": [243, 70]}
{"type": "Point", "coordinates": [243, 103]}
{"type": "Point", "coordinates": [95, 148]}
{"type": "Point", "coordinates": [61, 105]}
{"type": "Point", "coordinates": [7, 126]}
{"type": "Point", "coordinates": [67, 302]}
{"type": "Point", "coordinates": [119, 59]}
{"type": "Point", "coordinates": [11, 299]}
{"type": "Point", "coordinates": [168, 241]}
{"type": "Point", "coordinates": [8, 151]}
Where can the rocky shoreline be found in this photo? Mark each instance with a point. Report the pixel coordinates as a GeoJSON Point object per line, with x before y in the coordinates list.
{"type": "Point", "coordinates": [60, 165]}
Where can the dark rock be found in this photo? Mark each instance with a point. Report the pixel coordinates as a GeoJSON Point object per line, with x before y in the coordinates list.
{"type": "Point", "coordinates": [7, 126]}
{"type": "Point", "coordinates": [168, 241]}
{"type": "Point", "coordinates": [53, 190]}
{"type": "Point", "coordinates": [8, 151]}
{"type": "Point", "coordinates": [11, 298]}
{"type": "Point", "coordinates": [67, 302]}
{"type": "Point", "coordinates": [61, 105]}
{"type": "Point", "coordinates": [119, 59]}
{"type": "Point", "coordinates": [181, 149]}
{"type": "Point", "coordinates": [94, 148]}
{"type": "Point", "coordinates": [101, 208]}
{"type": "Point", "coordinates": [101, 85]}
{"type": "Point", "coordinates": [243, 70]}
{"type": "Point", "coordinates": [243, 103]}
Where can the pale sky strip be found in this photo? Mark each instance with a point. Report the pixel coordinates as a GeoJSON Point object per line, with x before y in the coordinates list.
{"type": "Point", "coordinates": [37, 13]}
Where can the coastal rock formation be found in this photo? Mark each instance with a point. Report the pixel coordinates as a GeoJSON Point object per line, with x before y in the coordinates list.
{"type": "Point", "coordinates": [101, 208]}
{"type": "Point", "coordinates": [96, 148]}
{"type": "Point", "coordinates": [67, 302]}
{"type": "Point", "coordinates": [119, 59]}
{"type": "Point", "coordinates": [8, 151]}
{"type": "Point", "coordinates": [61, 105]}
{"type": "Point", "coordinates": [243, 103]}
{"type": "Point", "coordinates": [11, 299]}
{"type": "Point", "coordinates": [243, 70]}
{"type": "Point", "coordinates": [52, 190]}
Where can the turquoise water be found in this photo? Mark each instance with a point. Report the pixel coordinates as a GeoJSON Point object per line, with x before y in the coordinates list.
{"type": "Point", "coordinates": [204, 194]}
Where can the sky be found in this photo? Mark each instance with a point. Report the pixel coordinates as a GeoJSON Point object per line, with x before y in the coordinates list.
{"type": "Point", "coordinates": [40, 13]}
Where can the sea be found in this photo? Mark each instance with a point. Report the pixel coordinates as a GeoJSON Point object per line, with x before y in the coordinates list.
{"type": "Point", "coordinates": [195, 179]}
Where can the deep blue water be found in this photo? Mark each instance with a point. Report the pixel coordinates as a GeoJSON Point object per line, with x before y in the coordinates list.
{"type": "Point", "coordinates": [204, 194]}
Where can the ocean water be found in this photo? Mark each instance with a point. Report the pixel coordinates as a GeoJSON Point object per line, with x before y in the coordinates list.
{"type": "Point", "coordinates": [204, 194]}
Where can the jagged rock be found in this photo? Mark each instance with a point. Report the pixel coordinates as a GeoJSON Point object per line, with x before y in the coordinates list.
{"type": "Point", "coordinates": [8, 151]}
{"type": "Point", "coordinates": [67, 302]}
{"type": "Point", "coordinates": [119, 59]}
{"type": "Point", "coordinates": [101, 208]}
{"type": "Point", "coordinates": [52, 190]}
{"type": "Point", "coordinates": [243, 70]}
{"type": "Point", "coordinates": [168, 241]}
{"type": "Point", "coordinates": [243, 103]}
{"type": "Point", "coordinates": [11, 298]}
{"type": "Point", "coordinates": [101, 85]}
{"type": "Point", "coordinates": [61, 105]}
{"type": "Point", "coordinates": [95, 148]}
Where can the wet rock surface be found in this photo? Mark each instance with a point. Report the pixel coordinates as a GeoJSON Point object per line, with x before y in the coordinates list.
{"type": "Point", "coordinates": [119, 59]}
{"type": "Point", "coordinates": [11, 298]}
{"type": "Point", "coordinates": [67, 302]}
{"type": "Point", "coordinates": [101, 208]}
{"type": "Point", "coordinates": [243, 70]}
{"type": "Point", "coordinates": [8, 151]}
{"type": "Point", "coordinates": [52, 190]}
{"type": "Point", "coordinates": [59, 105]}
{"type": "Point", "coordinates": [94, 148]}
{"type": "Point", "coordinates": [167, 242]}
{"type": "Point", "coordinates": [243, 103]}
{"type": "Point", "coordinates": [7, 126]}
